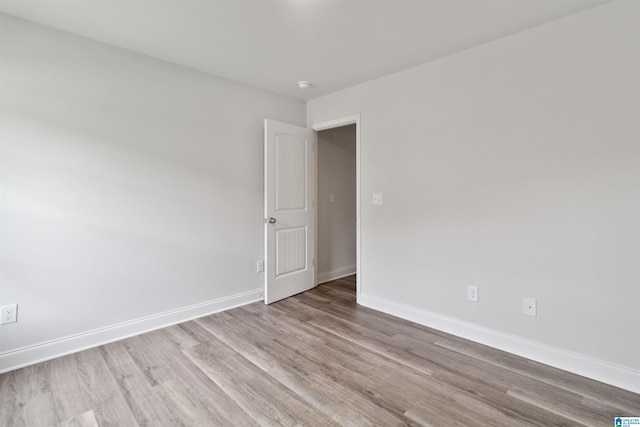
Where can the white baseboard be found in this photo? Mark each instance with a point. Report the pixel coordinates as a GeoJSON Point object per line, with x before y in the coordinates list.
{"type": "Point", "coordinates": [618, 376]}
{"type": "Point", "coordinates": [25, 356]}
{"type": "Point", "coordinates": [336, 274]}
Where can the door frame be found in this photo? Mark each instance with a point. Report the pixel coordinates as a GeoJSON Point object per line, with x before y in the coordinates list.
{"type": "Point", "coordinates": [339, 122]}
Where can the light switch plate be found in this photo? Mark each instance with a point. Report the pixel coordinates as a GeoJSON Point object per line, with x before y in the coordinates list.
{"type": "Point", "coordinates": [376, 199]}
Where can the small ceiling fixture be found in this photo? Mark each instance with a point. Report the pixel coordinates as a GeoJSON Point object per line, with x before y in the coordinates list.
{"type": "Point", "coordinates": [303, 84]}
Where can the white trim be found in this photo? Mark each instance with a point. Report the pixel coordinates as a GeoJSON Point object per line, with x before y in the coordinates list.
{"type": "Point", "coordinates": [25, 356]}
{"type": "Point", "coordinates": [344, 121]}
{"type": "Point", "coordinates": [338, 273]}
{"type": "Point", "coordinates": [618, 376]}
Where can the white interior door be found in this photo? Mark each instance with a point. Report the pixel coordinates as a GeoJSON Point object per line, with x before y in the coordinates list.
{"type": "Point", "coordinates": [289, 210]}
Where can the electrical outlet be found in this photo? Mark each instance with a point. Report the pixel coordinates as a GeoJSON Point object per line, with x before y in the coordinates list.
{"type": "Point", "coordinates": [260, 266]}
{"type": "Point", "coordinates": [472, 293]}
{"type": "Point", "coordinates": [376, 199]}
{"type": "Point", "coordinates": [332, 197]}
{"type": "Point", "coordinates": [529, 306]}
{"type": "Point", "coordinates": [8, 314]}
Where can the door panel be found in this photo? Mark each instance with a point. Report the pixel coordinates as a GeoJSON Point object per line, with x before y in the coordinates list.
{"type": "Point", "coordinates": [289, 210]}
{"type": "Point", "coordinates": [290, 170]}
{"type": "Point", "coordinates": [290, 250]}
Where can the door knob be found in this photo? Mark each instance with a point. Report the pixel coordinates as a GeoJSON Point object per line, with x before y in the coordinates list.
{"type": "Point", "coordinates": [272, 220]}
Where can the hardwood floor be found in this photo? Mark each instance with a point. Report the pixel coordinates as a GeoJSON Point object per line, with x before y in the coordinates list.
{"type": "Point", "coordinates": [316, 359]}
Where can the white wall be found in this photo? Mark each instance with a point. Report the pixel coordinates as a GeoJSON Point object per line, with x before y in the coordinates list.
{"type": "Point", "coordinates": [131, 188]}
{"type": "Point", "coordinates": [336, 219]}
{"type": "Point", "coordinates": [513, 167]}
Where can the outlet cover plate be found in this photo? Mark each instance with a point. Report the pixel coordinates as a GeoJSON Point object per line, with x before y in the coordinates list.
{"type": "Point", "coordinates": [8, 314]}
{"type": "Point", "coordinates": [472, 293]}
{"type": "Point", "coordinates": [529, 306]}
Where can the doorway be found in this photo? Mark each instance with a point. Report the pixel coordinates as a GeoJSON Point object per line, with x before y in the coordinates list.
{"type": "Point", "coordinates": [338, 200]}
{"type": "Point", "coordinates": [291, 208]}
{"type": "Point", "coordinates": [336, 203]}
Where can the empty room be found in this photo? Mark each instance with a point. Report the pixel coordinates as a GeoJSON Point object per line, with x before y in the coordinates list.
{"type": "Point", "coordinates": [319, 212]}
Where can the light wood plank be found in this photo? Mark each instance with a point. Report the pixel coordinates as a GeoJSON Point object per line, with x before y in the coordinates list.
{"type": "Point", "coordinates": [192, 393]}
{"type": "Point", "coordinates": [267, 401]}
{"type": "Point", "coordinates": [26, 397]}
{"type": "Point", "coordinates": [109, 405]}
{"type": "Point", "coordinates": [144, 402]}
{"type": "Point", "coordinates": [86, 419]}
{"type": "Point", "coordinates": [69, 399]}
{"type": "Point", "coordinates": [324, 383]}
